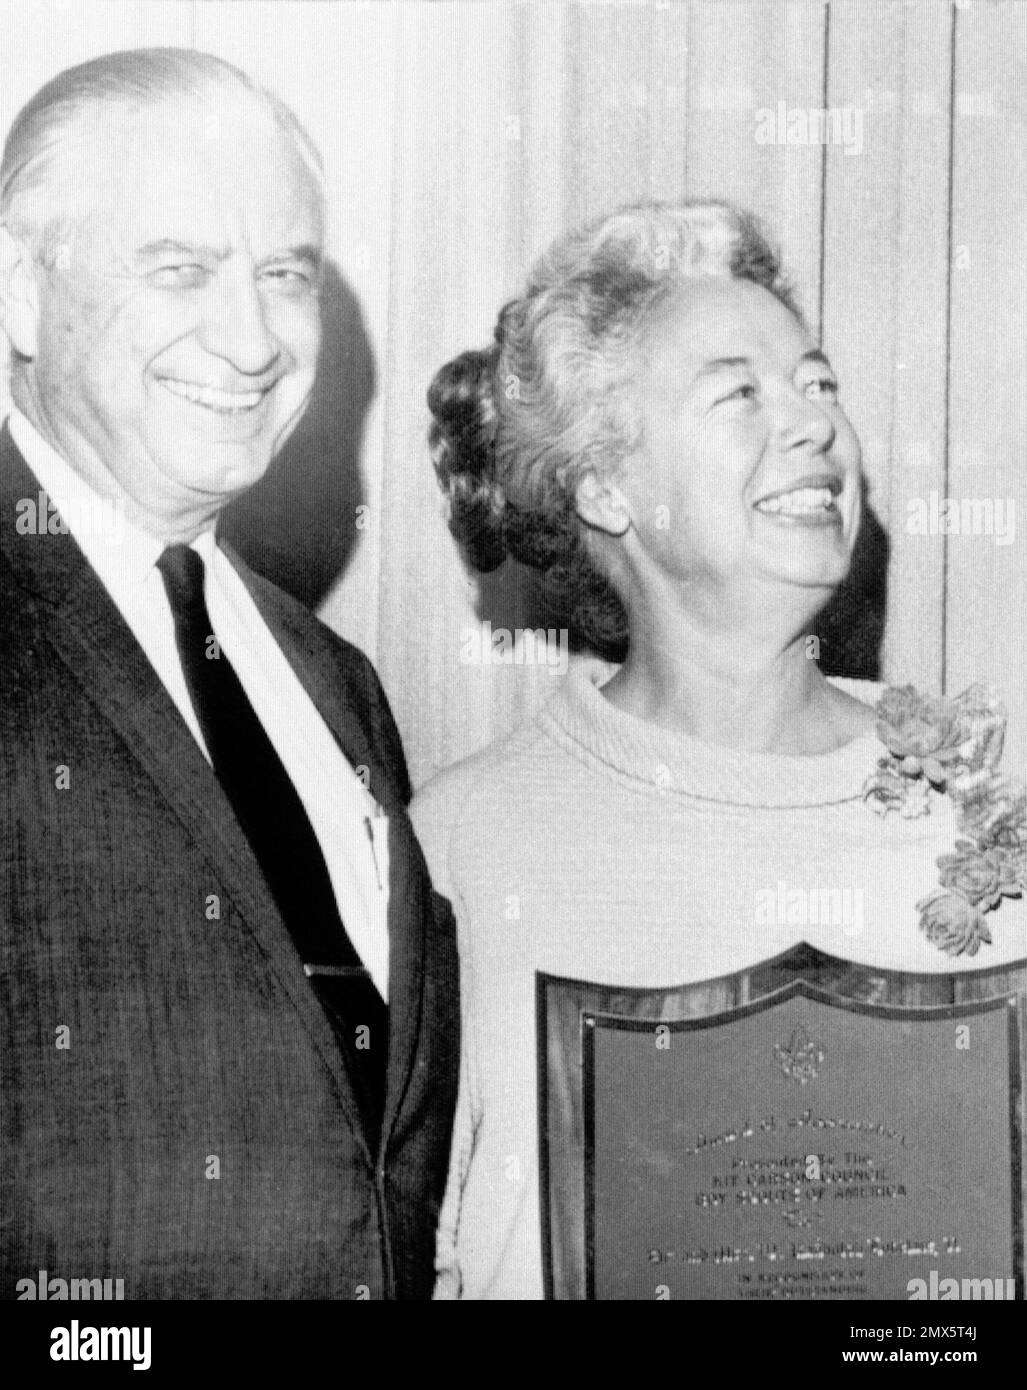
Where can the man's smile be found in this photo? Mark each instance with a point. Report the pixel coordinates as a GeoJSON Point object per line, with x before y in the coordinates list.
{"type": "Point", "coordinates": [213, 397]}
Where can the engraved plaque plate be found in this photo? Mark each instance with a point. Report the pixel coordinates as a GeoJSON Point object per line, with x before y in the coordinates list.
{"type": "Point", "coordinates": [801, 1145]}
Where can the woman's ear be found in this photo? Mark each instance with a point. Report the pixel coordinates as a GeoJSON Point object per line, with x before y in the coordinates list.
{"type": "Point", "coordinates": [602, 505]}
{"type": "Point", "coordinates": [19, 295]}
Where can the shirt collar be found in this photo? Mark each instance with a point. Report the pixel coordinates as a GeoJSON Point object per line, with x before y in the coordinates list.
{"type": "Point", "coordinates": [122, 553]}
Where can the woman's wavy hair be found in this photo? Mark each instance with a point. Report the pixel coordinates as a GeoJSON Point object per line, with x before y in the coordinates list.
{"type": "Point", "coordinates": [517, 424]}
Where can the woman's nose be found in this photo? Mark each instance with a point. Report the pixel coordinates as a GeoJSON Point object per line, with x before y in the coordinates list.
{"type": "Point", "coordinates": [802, 422]}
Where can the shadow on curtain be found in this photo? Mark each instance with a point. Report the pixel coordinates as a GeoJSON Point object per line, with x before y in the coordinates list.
{"type": "Point", "coordinates": [297, 525]}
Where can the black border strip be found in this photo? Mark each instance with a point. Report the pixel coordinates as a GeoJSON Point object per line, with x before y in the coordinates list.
{"type": "Point", "coordinates": [588, 1127]}
{"type": "Point", "coordinates": [1016, 1151]}
{"type": "Point", "coordinates": [542, 982]}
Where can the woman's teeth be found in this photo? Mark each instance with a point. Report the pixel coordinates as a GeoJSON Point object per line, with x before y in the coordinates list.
{"type": "Point", "coordinates": [799, 503]}
{"type": "Point", "coordinates": [209, 396]}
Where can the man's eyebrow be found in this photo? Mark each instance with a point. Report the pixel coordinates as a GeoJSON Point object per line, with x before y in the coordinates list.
{"type": "Point", "coordinates": [815, 355]}
{"type": "Point", "coordinates": [307, 252]}
{"type": "Point", "coordinates": [167, 246]}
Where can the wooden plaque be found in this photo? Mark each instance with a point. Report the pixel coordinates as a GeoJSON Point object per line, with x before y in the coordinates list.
{"type": "Point", "coordinates": [807, 1129]}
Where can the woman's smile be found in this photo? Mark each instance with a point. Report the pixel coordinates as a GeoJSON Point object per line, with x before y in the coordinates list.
{"type": "Point", "coordinates": [808, 502]}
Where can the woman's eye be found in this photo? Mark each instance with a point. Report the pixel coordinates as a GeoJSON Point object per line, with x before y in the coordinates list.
{"type": "Point", "coordinates": [743, 392]}
{"type": "Point", "coordinates": [822, 386]}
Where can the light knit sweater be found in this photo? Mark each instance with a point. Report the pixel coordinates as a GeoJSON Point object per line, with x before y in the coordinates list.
{"type": "Point", "coordinates": [593, 845]}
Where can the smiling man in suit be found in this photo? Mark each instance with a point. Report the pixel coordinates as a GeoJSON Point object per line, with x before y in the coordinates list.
{"type": "Point", "coordinates": [227, 990]}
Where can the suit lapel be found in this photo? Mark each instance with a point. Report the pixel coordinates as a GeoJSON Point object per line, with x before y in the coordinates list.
{"type": "Point", "coordinates": [98, 648]}
{"type": "Point", "coordinates": [314, 655]}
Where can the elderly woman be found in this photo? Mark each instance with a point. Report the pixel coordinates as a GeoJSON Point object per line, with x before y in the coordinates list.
{"type": "Point", "coordinates": [656, 430]}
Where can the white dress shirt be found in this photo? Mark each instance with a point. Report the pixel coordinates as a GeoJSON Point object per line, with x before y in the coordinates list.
{"type": "Point", "coordinates": [350, 829]}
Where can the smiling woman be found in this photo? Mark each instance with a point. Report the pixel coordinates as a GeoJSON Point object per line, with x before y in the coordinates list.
{"type": "Point", "coordinates": [656, 431]}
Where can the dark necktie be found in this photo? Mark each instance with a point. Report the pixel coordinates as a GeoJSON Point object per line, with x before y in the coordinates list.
{"type": "Point", "coordinates": [275, 823]}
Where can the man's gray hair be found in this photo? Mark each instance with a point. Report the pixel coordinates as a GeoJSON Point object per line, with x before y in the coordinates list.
{"type": "Point", "coordinates": [35, 195]}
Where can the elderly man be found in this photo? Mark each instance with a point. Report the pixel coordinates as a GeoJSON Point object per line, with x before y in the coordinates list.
{"type": "Point", "coordinates": [227, 989]}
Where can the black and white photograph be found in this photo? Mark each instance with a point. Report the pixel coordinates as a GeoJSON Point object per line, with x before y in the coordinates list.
{"type": "Point", "coordinates": [513, 666]}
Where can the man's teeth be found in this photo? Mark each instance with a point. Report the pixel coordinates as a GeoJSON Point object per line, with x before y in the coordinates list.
{"type": "Point", "coordinates": [802, 501]}
{"type": "Point", "coordinates": [212, 398]}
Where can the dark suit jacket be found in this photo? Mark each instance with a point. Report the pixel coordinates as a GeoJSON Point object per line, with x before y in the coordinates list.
{"type": "Point", "coordinates": [195, 1044]}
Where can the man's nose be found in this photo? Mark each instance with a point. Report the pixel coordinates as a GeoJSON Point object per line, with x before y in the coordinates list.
{"type": "Point", "coordinates": [235, 323]}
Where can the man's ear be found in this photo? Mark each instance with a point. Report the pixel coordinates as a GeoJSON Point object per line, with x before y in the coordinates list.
{"type": "Point", "coordinates": [19, 295]}
{"type": "Point", "coordinates": [602, 505]}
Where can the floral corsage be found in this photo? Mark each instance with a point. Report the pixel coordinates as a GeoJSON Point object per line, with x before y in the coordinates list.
{"type": "Point", "coordinates": [955, 746]}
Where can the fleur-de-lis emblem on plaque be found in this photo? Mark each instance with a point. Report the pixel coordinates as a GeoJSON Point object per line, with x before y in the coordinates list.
{"type": "Point", "coordinates": [800, 1059]}
{"type": "Point", "coordinates": [798, 1220]}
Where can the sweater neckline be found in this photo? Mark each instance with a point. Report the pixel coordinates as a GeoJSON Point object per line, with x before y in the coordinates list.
{"type": "Point", "coordinates": [663, 761]}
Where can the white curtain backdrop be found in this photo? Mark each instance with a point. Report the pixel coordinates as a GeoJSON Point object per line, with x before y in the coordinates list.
{"type": "Point", "coordinates": [460, 137]}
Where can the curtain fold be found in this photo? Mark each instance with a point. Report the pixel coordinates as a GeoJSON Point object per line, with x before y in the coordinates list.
{"type": "Point", "coordinates": [886, 292]}
{"type": "Point", "coordinates": [984, 613]}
